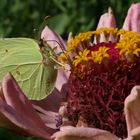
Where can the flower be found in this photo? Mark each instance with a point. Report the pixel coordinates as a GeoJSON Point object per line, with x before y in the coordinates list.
{"type": "Point", "coordinates": [99, 99]}
{"type": "Point", "coordinates": [101, 89]}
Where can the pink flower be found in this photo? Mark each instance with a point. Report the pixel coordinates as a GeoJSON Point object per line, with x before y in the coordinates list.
{"type": "Point", "coordinates": [102, 91]}
{"type": "Point", "coordinates": [99, 99]}
{"type": "Point", "coordinates": [17, 113]}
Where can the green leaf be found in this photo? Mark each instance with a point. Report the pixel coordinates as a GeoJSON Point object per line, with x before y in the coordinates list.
{"type": "Point", "coordinates": [6, 134]}
{"type": "Point", "coordinates": [59, 23]}
{"type": "Point", "coordinates": [31, 67]}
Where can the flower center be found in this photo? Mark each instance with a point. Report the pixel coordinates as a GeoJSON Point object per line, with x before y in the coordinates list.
{"type": "Point", "coordinates": [102, 76]}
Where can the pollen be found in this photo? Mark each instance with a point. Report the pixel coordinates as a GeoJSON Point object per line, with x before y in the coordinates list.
{"type": "Point", "coordinates": [107, 30]}
{"type": "Point", "coordinates": [129, 44]}
{"type": "Point", "coordinates": [81, 37]}
{"type": "Point", "coordinates": [118, 45]}
{"type": "Point", "coordinates": [81, 57]}
{"type": "Point", "coordinates": [64, 57]}
{"type": "Point", "coordinates": [121, 32]}
{"type": "Point", "coordinates": [99, 55]}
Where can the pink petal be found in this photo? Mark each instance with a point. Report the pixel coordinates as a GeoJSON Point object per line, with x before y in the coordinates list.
{"type": "Point", "coordinates": [132, 109]}
{"type": "Point", "coordinates": [4, 122]}
{"type": "Point", "coordinates": [135, 133]}
{"type": "Point", "coordinates": [18, 106]}
{"type": "Point", "coordinates": [15, 98]}
{"type": "Point", "coordinates": [62, 78]}
{"type": "Point", "coordinates": [83, 133]}
{"type": "Point", "coordinates": [12, 119]}
{"type": "Point", "coordinates": [48, 117]}
{"type": "Point", "coordinates": [51, 102]}
{"type": "Point", "coordinates": [49, 107]}
{"type": "Point", "coordinates": [53, 39]}
{"type": "Point", "coordinates": [132, 20]}
{"type": "Point", "coordinates": [70, 37]}
{"type": "Point", "coordinates": [107, 20]}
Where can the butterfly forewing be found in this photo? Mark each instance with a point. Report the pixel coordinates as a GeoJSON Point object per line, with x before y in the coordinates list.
{"type": "Point", "coordinates": [23, 58]}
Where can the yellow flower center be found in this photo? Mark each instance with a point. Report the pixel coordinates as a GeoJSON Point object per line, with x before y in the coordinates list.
{"type": "Point", "coordinates": [81, 57]}
{"type": "Point", "coordinates": [99, 55]}
{"type": "Point", "coordinates": [81, 37]}
{"type": "Point", "coordinates": [80, 50]}
{"type": "Point", "coordinates": [129, 44]}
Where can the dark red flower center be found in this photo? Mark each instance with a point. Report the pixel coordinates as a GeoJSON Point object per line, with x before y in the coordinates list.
{"type": "Point", "coordinates": [102, 76]}
{"type": "Point", "coordinates": [97, 98]}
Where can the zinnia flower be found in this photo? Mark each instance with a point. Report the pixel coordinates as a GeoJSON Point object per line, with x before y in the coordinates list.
{"type": "Point", "coordinates": [99, 99]}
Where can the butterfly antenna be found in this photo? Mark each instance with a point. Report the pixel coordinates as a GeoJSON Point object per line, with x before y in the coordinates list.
{"type": "Point", "coordinates": [39, 30]}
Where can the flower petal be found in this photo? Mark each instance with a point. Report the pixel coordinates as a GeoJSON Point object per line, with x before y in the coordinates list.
{"type": "Point", "coordinates": [135, 133]}
{"type": "Point", "coordinates": [132, 20]}
{"type": "Point", "coordinates": [15, 98]}
{"type": "Point", "coordinates": [132, 109]}
{"type": "Point", "coordinates": [107, 20]}
{"type": "Point", "coordinates": [48, 117]}
{"type": "Point", "coordinates": [53, 39]}
{"type": "Point", "coordinates": [10, 118]}
{"type": "Point", "coordinates": [83, 133]}
{"type": "Point", "coordinates": [70, 37]}
{"type": "Point", "coordinates": [49, 107]}
{"type": "Point", "coordinates": [19, 111]}
{"type": "Point", "coordinates": [51, 102]}
{"type": "Point", "coordinates": [62, 78]}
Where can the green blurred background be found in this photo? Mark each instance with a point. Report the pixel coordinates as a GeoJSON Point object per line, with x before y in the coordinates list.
{"type": "Point", "coordinates": [18, 18]}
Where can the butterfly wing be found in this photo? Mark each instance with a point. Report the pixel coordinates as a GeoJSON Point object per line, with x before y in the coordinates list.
{"type": "Point", "coordinates": [23, 58]}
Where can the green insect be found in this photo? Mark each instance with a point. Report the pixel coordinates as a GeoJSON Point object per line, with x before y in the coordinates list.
{"type": "Point", "coordinates": [30, 64]}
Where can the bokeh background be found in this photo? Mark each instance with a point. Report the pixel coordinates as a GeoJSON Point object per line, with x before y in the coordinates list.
{"type": "Point", "coordinates": [19, 18]}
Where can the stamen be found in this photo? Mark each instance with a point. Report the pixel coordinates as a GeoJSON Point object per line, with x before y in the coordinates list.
{"type": "Point", "coordinates": [129, 45]}
{"type": "Point", "coordinates": [82, 37]}
{"type": "Point", "coordinates": [102, 76]}
{"type": "Point", "coordinates": [81, 57]}
{"type": "Point", "coordinates": [99, 55]}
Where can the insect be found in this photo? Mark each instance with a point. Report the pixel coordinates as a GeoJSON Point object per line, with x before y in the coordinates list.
{"type": "Point", "coordinates": [30, 64]}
